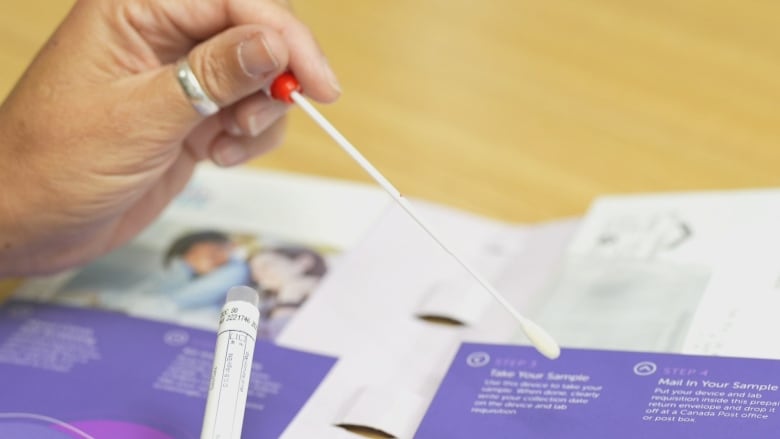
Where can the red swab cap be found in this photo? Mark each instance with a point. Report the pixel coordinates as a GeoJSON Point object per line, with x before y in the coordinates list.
{"type": "Point", "coordinates": [283, 86]}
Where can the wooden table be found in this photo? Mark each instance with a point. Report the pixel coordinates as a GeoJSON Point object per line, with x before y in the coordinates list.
{"type": "Point", "coordinates": [525, 110]}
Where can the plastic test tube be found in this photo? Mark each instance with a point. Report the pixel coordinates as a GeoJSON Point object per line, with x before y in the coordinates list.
{"type": "Point", "coordinates": [236, 335]}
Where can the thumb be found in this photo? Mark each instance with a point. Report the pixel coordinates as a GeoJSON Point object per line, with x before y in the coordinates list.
{"type": "Point", "coordinates": [230, 66]}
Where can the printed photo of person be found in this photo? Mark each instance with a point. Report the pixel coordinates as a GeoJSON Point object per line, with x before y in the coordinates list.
{"type": "Point", "coordinates": [200, 267]}
{"type": "Point", "coordinates": [285, 276]}
{"type": "Point", "coordinates": [182, 276]}
{"type": "Point", "coordinates": [183, 282]}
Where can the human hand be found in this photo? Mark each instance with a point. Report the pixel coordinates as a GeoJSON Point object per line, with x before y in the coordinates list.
{"type": "Point", "coordinates": [97, 137]}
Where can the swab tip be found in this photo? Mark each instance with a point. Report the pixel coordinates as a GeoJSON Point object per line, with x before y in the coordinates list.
{"type": "Point", "coordinates": [541, 340]}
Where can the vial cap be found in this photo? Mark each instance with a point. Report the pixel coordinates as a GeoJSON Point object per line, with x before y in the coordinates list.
{"type": "Point", "coordinates": [244, 294]}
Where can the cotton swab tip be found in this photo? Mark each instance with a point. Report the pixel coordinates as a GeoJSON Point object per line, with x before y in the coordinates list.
{"type": "Point", "coordinates": [542, 341]}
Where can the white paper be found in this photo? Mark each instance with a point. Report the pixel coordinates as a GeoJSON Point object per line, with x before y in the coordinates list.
{"type": "Point", "coordinates": [731, 237]}
{"type": "Point", "coordinates": [653, 273]}
{"type": "Point", "coordinates": [367, 313]}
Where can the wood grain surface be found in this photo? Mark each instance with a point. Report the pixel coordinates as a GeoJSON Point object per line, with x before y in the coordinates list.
{"type": "Point", "coordinates": [526, 110]}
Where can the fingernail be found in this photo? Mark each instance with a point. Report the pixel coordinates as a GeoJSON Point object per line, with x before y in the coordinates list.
{"type": "Point", "coordinates": [231, 154]}
{"type": "Point", "coordinates": [334, 83]}
{"type": "Point", "coordinates": [256, 56]}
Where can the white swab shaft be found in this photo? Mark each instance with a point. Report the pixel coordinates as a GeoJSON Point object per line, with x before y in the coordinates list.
{"type": "Point", "coordinates": [396, 195]}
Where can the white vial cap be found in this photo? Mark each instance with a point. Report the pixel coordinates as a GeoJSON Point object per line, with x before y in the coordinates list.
{"type": "Point", "coordinates": [244, 294]}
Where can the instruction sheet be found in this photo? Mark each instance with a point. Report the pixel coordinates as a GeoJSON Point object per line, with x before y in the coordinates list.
{"type": "Point", "coordinates": [76, 373]}
{"type": "Point", "coordinates": [504, 391]}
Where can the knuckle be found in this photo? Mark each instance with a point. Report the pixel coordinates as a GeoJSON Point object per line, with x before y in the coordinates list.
{"type": "Point", "coordinates": [213, 77]}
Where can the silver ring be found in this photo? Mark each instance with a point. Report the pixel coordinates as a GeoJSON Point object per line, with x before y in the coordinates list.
{"type": "Point", "coordinates": [195, 93]}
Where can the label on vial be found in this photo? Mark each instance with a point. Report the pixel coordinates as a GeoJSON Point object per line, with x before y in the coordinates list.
{"type": "Point", "coordinates": [230, 373]}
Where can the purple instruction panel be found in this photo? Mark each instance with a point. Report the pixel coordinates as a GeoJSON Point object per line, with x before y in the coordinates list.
{"type": "Point", "coordinates": [502, 391]}
{"type": "Point", "coordinates": [74, 373]}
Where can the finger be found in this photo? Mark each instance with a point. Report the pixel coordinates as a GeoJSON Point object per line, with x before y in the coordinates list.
{"type": "Point", "coordinates": [252, 115]}
{"type": "Point", "coordinates": [246, 118]}
{"type": "Point", "coordinates": [198, 20]}
{"type": "Point", "coordinates": [227, 150]}
{"type": "Point", "coordinates": [230, 66]}
{"type": "Point", "coordinates": [199, 140]}
{"type": "Point", "coordinates": [307, 60]}
{"type": "Point", "coordinates": [238, 62]}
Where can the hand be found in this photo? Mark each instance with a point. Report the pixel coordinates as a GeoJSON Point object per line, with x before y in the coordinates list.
{"type": "Point", "coordinates": [98, 137]}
